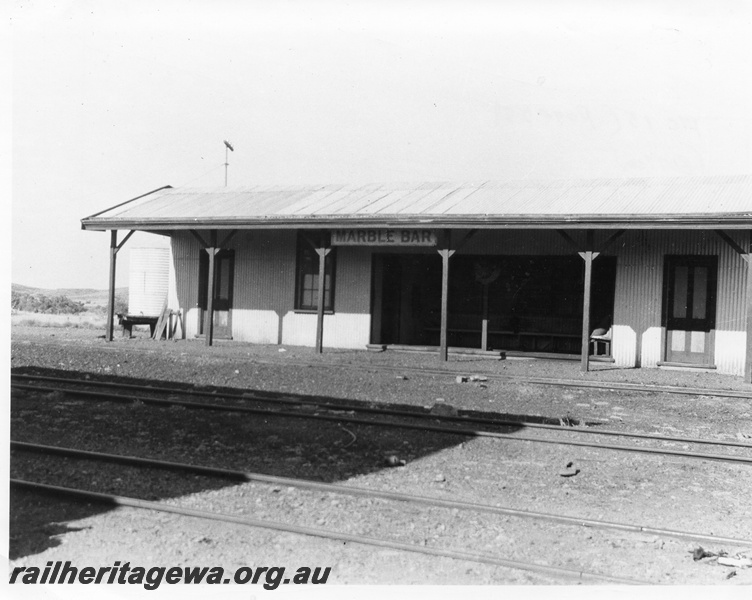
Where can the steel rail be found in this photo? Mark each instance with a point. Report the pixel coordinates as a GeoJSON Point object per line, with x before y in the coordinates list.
{"type": "Point", "coordinates": [575, 383]}
{"type": "Point", "coordinates": [321, 533]}
{"type": "Point", "coordinates": [465, 418]}
{"type": "Point", "coordinates": [371, 493]}
{"type": "Point", "coordinates": [395, 424]}
{"type": "Point", "coordinates": [604, 385]}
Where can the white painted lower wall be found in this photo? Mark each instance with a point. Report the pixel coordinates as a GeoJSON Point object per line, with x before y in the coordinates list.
{"type": "Point", "coordinates": [191, 318]}
{"type": "Point", "coordinates": [341, 330]}
{"type": "Point", "coordinates": [255, 326]}
{"type": "Point", "coordinates": [265, 288]}
{"type": "Point", "coordinates": [629, 351]}
{"type": "Point", "coordinates": [651, 346]}
{"type": "Point", "coordinates": [624, 346]}
{"type": "Point", "coordinates": [637, 332]}
{"type": "Point", "coordinates": [730, 351]}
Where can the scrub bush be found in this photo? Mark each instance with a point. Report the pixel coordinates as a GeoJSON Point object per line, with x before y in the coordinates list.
{"type": "Point", "coordinates": [51, 305]}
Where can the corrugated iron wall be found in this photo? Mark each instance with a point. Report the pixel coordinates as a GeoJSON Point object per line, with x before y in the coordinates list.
{"type": "Point", "coordinates": [264, 285]}
{"type": "Point", "coordinates": [172, 296]}
{"type": "Point", "coordinates": [264, 291]}
{"type": "Point", "coordinates": [185, 253]}
{"type": "Point", "coordinates": [264, 288]}
{"type": "Point", "coordinates": [529, 242]}
{"type": "Point", "coordinates": [637, 337]}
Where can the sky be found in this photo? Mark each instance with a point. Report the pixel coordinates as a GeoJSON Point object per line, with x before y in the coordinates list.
{"type": "Point", "coordinates": [110, 100]}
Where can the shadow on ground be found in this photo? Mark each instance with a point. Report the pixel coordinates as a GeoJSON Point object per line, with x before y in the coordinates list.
{"type": "Point", "coordinates": [329, 451]}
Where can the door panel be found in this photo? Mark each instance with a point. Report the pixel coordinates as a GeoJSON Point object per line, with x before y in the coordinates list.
{"type": "Point", "coordinates": [689, 313]}
{"type": "Point", "coordinates": [224, 269]}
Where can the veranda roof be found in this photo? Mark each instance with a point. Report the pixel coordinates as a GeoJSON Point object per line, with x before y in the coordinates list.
{"type": "Point", "coordinates": [721, 202]}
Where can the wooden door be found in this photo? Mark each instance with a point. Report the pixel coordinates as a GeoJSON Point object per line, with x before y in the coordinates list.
{"type": "Point", "coordinates": [689, 310]}
{"type": "Point", "coordinates": [224, 269]}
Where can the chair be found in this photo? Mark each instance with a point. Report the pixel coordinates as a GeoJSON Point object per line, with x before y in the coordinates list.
{"type": "Point", "coordinates": [598, 337]}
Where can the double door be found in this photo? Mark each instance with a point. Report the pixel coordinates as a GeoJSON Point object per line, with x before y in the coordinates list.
{"type": "Point", "coordinates": [689, 311]}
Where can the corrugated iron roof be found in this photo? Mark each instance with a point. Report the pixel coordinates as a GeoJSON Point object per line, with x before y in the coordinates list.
{"type": "Point", "coordinates": [637, 202]}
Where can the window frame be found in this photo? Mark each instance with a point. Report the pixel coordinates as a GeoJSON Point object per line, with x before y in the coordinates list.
{"type": "Point", "coordinates": [303, 248]}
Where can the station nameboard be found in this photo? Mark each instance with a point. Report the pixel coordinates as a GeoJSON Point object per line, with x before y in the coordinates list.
{"type": "Point", "coordinates": [384, 237]}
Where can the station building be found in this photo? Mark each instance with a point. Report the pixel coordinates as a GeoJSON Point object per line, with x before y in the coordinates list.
{"type": "Point", "coordinates": [638, 272]}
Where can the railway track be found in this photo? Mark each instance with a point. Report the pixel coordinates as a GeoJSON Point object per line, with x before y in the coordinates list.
{"type": "Point", "coordinates": [547, 381]}
{"type": "Point", "coordinates": [558, 572]}
{"type": "Point", "coordinates": [543, 381]}
{"type": "Point", "coordinates": [420, 420]}
{"type": "Point", "coordinates": [567, 574]}
{"type": "Point", "coordinates": [245, 402]}
{"type": "Point", "coordinates": [235, 475]}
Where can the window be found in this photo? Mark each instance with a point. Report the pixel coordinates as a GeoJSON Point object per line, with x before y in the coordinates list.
{"type": "Point", "coordinates": [307, 278]}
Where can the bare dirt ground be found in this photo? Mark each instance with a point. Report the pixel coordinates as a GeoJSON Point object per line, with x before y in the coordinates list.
{"type": "Point", "coordinates": [667, 492]}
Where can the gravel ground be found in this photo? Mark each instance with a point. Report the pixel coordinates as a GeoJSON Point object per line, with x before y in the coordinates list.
{"type": "Point", "coordinates": [667, 492]}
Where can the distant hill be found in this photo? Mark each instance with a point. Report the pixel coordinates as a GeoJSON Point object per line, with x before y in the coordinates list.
{"type": "Point", "coordinates": [87, 296]}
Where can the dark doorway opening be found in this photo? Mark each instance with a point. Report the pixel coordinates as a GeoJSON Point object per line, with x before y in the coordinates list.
{"type": "Point", "coordinates": [531, 303]}
{"type": "Point", "coordinates": [224, 272]}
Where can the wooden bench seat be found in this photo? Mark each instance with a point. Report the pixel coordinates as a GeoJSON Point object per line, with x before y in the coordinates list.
{"type": "Point", "coordinates": [128, 321]}
{"type": "Point", "coordinates": [534, 336]}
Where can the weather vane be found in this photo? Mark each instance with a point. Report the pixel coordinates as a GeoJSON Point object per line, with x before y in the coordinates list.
{"type": "Point", "coordinates": [228, 146]}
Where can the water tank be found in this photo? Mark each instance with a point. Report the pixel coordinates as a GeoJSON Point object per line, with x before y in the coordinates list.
{"type": "Point", "coordinates": [149, 278]}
